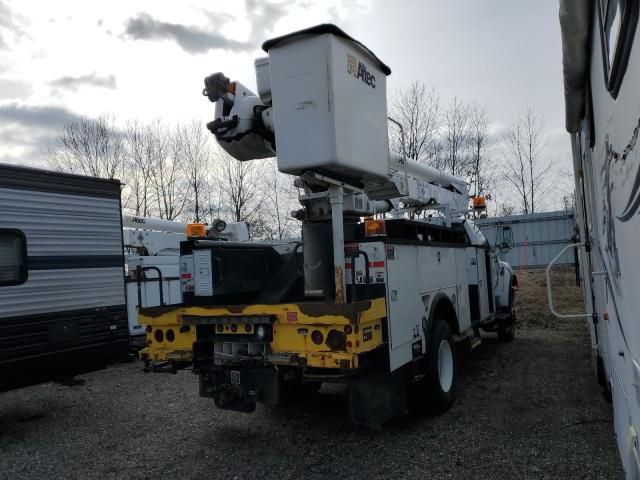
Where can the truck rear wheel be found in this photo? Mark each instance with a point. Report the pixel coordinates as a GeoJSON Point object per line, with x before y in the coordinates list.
{"type": "Point", "coordinates": [506, 333]}
{"type": "Point", "coordinates": [441, 367]}
{"type": "Point", "coordinates": [507, 328]}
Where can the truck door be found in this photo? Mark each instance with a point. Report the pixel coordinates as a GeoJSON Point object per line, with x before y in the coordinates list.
{"type": "Point", "coordinates": [473, 280]}
{"type": "Point", "coordinates": [478, 272]}
{"type": "Point", "coordinates": [479, 283]}
{"type": "Point", "coordinates": [483, 282]}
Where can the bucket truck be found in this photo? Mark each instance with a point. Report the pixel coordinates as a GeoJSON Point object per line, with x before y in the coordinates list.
{"type": "Point", "coordinates": [369, 297]}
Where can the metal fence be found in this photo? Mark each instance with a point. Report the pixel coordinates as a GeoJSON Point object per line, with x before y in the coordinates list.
{"type": "Point", "coordinates": [537, 238]}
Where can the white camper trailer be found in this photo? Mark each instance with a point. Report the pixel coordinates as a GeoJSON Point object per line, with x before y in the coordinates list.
{"type": "Point", "coordinates": [62, 295]}
{"type": "Point", "coordinates": [601, 59]}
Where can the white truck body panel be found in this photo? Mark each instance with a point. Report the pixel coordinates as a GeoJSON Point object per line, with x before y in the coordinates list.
{"type": "Point", "coordinates": [416, 277]}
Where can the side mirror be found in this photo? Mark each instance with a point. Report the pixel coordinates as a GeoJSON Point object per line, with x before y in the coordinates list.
{"type": "Point", "coordinates": [504, 238]}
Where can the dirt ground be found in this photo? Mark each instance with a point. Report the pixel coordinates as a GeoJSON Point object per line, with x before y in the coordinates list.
{"type": "Point", "coordinates": [529, 409]}
{"type": "Point", "coordinates": [531, 299]}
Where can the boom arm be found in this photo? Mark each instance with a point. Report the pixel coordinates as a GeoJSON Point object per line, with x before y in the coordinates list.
{"type": "Point", "coordinates": [244, 127]}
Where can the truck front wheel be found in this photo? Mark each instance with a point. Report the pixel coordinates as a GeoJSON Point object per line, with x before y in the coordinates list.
{"type": "Point", "coordinates": [441, 367]}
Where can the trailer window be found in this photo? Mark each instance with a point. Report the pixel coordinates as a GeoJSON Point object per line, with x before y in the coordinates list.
{"type": "Point", "coordinates": [13, 257]}
{"type": "Point", "coordinates": [618, 20]}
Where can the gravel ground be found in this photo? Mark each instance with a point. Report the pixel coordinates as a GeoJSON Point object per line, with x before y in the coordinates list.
{"type": "Point", "coordinates": [528, 409]}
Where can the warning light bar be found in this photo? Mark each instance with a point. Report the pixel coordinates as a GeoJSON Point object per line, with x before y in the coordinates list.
{"type": "Point", "coordinates": [374, 228]}
{"type": "Point", "coordinates": [196, 230]}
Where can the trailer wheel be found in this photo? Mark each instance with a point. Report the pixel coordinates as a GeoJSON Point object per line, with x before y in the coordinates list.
{"type": "Point", "coordinates": [441, 367]}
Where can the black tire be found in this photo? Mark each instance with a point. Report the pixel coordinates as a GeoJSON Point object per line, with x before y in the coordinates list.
{"type": "Point", "coordinates": [507, 330]}
{"type": "Point", "coordinates": [294, 391]}
{"type": "Point", "coordinates": [441, 389]}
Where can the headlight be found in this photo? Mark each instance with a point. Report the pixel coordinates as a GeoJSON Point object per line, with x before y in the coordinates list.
{"type": "Point", "coordinates": [260, 332]}
{"type": "Point", "coordinates": [220, 225]}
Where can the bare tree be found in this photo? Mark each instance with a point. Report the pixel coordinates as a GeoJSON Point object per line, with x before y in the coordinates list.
{"type": "Point", "coordinates": [526, 171]}
{"type": "Point", "coordinates": [505, 209]}
{"type": "Point", "coordinates": [281, 198]}
{"type": "Point", "coordinates": [138, 167]}
{"type": "Point", "coordinates": [239, 182]}
{"type": "Point", "coordinates": [417, 110]}
{"type": "Point", "coordinates": [193, 153]}
{"type": "Point", "coordinates": [92, 147]}
{"type": "Point", "coordinates": [164, 149]}
{"type": "Point", "coordinates": [481, 173]}
{"type": "Point", "coordinates": [456, 138]}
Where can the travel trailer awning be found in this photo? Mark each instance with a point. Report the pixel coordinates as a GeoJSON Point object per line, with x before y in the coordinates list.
{"type": "Point", "coordinates": [575, 27]}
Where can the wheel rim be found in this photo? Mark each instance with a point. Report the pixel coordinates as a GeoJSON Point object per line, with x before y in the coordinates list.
{"type": "Point", "coordinates": [445, 366]}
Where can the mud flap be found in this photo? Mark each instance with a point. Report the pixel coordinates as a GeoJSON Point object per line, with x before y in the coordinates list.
{"type": "Point", "coordinates": [377, 397]}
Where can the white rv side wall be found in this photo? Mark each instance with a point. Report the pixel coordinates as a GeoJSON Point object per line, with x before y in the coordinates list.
{"type": "Point", "coordinates": [60, 290]}
{"type": "Point", "coordinates": [60, 228]}
{"type": "Point", "coordinates": [610, 220]}
{"type": "Point", "coordinates": [59, 224]}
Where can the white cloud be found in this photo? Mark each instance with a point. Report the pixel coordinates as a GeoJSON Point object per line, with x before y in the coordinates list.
{"type": "Point", "coordinates": [459, 48]}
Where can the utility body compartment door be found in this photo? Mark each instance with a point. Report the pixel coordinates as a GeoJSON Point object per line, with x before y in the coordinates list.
{"type": "Point", "coordinates": [404, 306]}
{"type": "Point", "coordinates": [202, 273]}
{"type": "Point", "coordinates": [415, 277]}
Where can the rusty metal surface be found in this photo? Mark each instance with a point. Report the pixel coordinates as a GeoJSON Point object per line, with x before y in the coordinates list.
{"type": "Point", "coordinates": [338, 276]}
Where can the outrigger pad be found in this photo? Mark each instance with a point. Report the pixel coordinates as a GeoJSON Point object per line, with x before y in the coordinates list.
{"type": "Point", "coordinates": [377, 397]}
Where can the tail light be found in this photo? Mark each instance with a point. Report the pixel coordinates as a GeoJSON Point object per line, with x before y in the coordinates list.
{"type": "Point", "coordinates": [171, 336]}
{"type": "Point", "coordinates": [317, 337]}
{"type": "Point", "coordinates": [247, 328]}
{"type": "Point", "coordinates": [158, 335]}
{"type": "Point", "coordinates": [234, 328]}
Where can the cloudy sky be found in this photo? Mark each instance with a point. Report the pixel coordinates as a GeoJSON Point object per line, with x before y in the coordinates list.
{"type": "Point", "coordinates": [146, 59]}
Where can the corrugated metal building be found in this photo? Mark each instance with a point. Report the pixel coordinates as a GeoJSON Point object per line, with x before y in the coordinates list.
{"type": "Point", "coordinates": [537, 238]}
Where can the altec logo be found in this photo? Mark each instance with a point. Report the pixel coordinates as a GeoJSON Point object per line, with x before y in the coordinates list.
{"type": "Point", "coordinates": [359, 70]}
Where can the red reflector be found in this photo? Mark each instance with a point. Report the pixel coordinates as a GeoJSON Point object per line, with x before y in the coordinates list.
{"type": "Point", "coordinates": [185, 275]}
{"type": "Point", "coordinates": [349, 344]}
{"type": "Point", "coordinates": [234, 328]}
{"type": "Point", "coordinates": [371, 264]}
{"type": "Point", "coordinates": [247, 328]}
